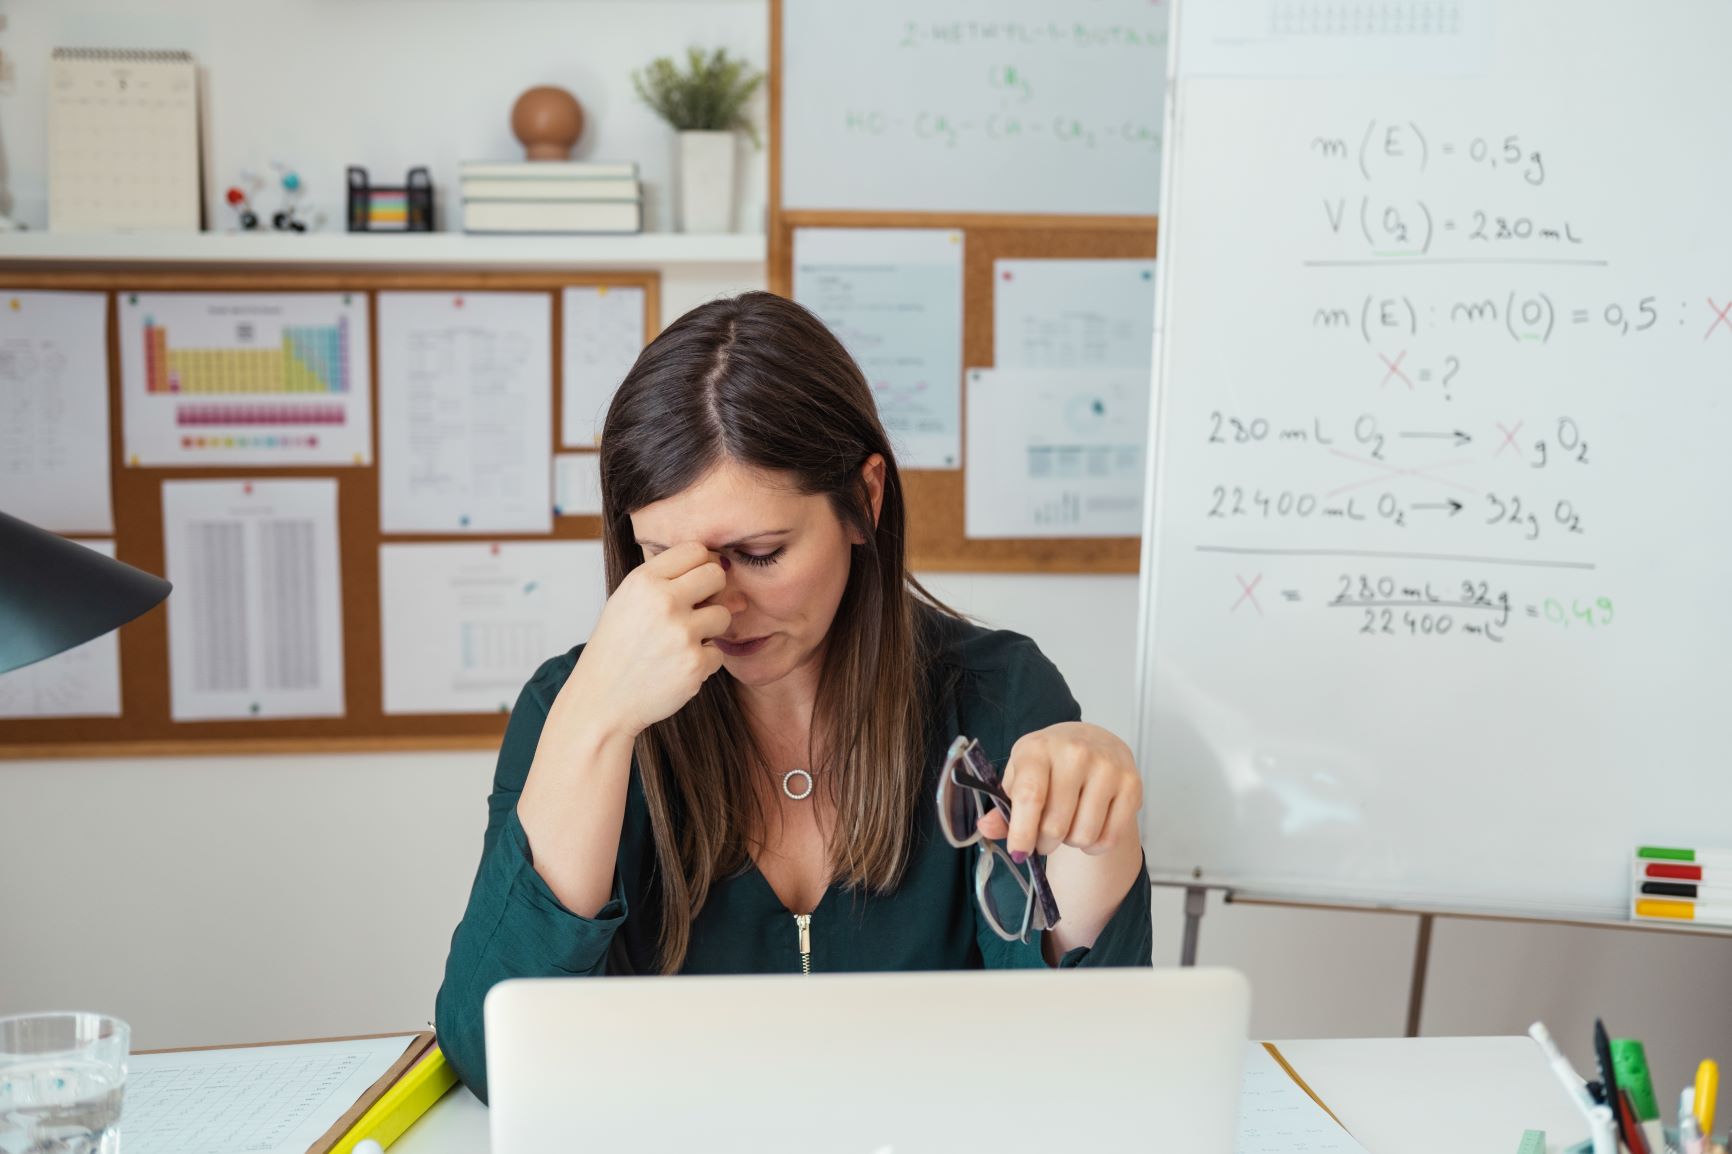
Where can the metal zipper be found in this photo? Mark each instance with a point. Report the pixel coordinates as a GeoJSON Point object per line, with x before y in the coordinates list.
{"type": "Point", "coordinates": [804, 922]}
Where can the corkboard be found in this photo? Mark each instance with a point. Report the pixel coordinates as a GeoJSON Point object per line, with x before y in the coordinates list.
{"type": "Point", "coordinates": [935, 497]}
{"type": "Point", "coordinates": [145, 727]}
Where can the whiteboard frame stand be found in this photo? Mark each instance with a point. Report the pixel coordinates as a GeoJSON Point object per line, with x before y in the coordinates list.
{"type": "Point", "coordinates": [1196, 905]}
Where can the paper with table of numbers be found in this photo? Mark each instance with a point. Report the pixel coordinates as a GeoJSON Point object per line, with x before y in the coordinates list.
{"type": "Point", "coordinates": [1055, 453]}
{"type": "Point", "coordinates": [257, 1099]}
{"type": "Point", "coordinates": [465, 624]}
{"type": "Point", "coordinates": [255, 625]}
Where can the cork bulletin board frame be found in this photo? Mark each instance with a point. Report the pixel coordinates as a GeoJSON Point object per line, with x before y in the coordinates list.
{"type": "Point", "coordinates": [145, 726]}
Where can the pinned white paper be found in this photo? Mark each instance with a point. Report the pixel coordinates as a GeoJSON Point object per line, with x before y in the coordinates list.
{"type": "Point", "coordinates": [465, 412]}
{"type": "Point", "coordinates": [255, 623]}
{"type": "Point", "coordinates": [1056, 453]}
{"type": "Point", "coordinates": [465, 625]}
{"type": "Point", "coordinates": [245, 378]}
{"type": "Point", "coordinates": [577, 485]}
{"type": "Point", "coordinates": [602, 333]}
{"type": "Point", "coordinates": [894, 299]}
{"type": "Point", "coordinates": [54, 410]}
{"type": "Point", "coordinates": [1073, 314]}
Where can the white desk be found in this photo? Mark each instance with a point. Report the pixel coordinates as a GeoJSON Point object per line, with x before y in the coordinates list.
{"type": "Point", "coordinates": [1397, 1096]}
{"type": "Point", "coordinates": [1438, 1095]}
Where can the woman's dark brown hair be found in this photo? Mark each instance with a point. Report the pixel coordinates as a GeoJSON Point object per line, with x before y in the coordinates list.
{"type": "Point", "coordinates": [759, 380]}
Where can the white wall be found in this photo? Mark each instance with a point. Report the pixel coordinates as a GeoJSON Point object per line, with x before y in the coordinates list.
{"type": "Point", "coordinates": [232, 898]}
{"type": "Point", "coordinates": [386, 84]}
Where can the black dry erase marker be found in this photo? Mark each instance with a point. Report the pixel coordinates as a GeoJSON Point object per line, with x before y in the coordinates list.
{"type": "Point", "coordinates": [1608, 1076]}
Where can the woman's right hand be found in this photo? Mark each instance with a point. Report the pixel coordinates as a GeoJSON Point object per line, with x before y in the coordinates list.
{"type": "Point", "coordinates": [649, 654]}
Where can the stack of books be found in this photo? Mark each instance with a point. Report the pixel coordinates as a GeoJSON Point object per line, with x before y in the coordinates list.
{"type": "Point", "coordinates": [543, 196]}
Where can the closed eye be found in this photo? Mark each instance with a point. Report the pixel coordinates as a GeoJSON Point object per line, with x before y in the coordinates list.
{"type": "Point", "coordinates": [769, 558]}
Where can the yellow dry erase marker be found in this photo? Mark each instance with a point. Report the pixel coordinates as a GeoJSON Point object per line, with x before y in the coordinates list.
{"type": "Point", "coordinates": [396, 1110]}
{"type": "Point", "coordinates": [1707, 1087]}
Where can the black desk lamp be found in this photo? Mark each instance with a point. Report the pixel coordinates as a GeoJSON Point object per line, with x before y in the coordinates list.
{"type": "Point", "coordinates": [55, 594]}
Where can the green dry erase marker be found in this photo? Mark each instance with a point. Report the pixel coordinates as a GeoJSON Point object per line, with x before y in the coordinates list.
{"type": "Point", "coordinates": [1630, 1062]}
{"type": "Point", "coordinates": [1701, 857]}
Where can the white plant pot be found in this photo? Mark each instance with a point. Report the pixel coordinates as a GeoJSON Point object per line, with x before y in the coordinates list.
{"type": "Point", "coordinates": [706, 181]}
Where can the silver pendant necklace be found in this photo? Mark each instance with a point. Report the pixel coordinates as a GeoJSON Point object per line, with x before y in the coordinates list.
{"type": "Point", "coordinates": [788, 784]}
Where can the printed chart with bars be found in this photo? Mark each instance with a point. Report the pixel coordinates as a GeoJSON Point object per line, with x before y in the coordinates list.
{"type": "Point", "coordinates": [246, 378]}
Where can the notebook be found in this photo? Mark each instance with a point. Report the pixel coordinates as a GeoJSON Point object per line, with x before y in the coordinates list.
{"type": "Point", "coordinates": [298, 1098]}
{"type": "Point", "coordinates": [123, 141]}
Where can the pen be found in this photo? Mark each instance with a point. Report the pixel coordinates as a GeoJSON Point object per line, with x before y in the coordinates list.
{"type": "Point", "coordinates": [1707, 1087]}
{"type": "Point", "coordinates": [1600, 1129]}
{"type": "Point", "coordinates": [1608, 1077]}
{"type": "Point", "coordinates": [1633, 1136]}
{"type": "Point", "coordinates": [1689, 1130]}
{"type": "Point", "coordinates": [1566, 1073]}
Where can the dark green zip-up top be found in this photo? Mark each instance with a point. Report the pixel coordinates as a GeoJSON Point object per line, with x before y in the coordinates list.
{"type": "Point", "coordinates": [992, 685]}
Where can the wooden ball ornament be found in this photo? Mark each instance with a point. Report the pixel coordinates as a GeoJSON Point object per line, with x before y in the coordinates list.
{"type": "Point", "coordinates": [548, 121]}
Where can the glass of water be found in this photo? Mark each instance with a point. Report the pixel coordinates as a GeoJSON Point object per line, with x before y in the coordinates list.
{"type": "Point", "coordinates": [61, 1079]}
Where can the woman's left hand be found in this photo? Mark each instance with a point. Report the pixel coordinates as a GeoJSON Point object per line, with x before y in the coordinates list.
{"type": "Point", "coordinates": [1070, 784]}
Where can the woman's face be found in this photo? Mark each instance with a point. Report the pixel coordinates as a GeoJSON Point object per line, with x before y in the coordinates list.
{"type": "Point", "coordinates": [788, 557]}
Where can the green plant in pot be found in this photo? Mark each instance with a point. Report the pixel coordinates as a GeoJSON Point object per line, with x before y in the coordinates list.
{"type": "Point", "coordinates": [705, 103]}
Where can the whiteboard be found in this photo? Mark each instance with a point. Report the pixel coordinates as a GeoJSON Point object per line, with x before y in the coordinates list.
{"type": "Point", "coordinates": [1042, 106]}
{"type": "Point", "coordinates": [1437, 599]}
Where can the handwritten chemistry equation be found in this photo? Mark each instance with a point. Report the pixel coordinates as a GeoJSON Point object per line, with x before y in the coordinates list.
{"type": "Point", "coordinates": [1415, 226]}
{"type": "Point", "coordinates": [1360, 456]}
{"type": "Point", "coordinates": [1385, 605]}
{"type": "Point", "coordinates": [1007, 90]}
{"type": "Point", "coordinates": [1526, 316]}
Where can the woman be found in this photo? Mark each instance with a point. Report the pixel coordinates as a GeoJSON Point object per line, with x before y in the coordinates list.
{"type": "Point", "coordinates": [738, 771]}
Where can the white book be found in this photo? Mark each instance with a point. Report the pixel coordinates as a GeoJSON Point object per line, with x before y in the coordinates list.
{"type": "Point", "coordinates": [553, 216]}
{"type": "Point", "coordinates": [501, 188]}
{"type": "Point", "coordinates": [549, 169]}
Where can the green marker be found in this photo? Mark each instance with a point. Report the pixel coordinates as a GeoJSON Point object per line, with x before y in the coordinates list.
{"type": "Point", "coordinates": [1718, 858]}
{"type": "Point", "coordinates": [1630, 1067]}
{"type": "Point", "coordinates": [1533, 1142]}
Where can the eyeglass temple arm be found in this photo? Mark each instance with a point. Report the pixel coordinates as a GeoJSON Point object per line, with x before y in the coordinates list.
{"type": "Point", "coordinates": [966, 773]}
{"type": "Point", "coordinates": [974, 772]}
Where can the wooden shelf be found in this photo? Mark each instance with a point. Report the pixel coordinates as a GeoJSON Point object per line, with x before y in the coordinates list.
{"type": "Point", "coordinates": [450, 249]}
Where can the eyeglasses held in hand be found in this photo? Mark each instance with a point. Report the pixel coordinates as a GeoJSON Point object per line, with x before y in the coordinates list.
{"type": "Point", "coordinates": [966, 785]}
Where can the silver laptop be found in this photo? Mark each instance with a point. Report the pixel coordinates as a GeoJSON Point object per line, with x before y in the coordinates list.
{"type": "Point", "coordinates": [1004, 1062]}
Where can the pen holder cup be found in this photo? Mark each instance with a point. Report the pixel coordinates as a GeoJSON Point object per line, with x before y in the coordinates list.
{"type": "Point", "coordinates": [1673, 1144]}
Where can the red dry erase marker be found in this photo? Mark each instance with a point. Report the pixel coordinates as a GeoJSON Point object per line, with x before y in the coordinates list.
{"type": "Point", "coordinates": [1633, 1136]}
